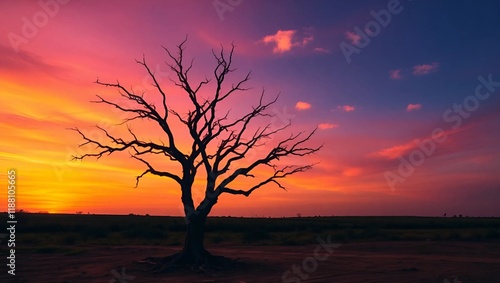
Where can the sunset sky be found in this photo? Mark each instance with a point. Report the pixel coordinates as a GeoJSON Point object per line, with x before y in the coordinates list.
{"type": "Point", "coordinates": [388, 84]}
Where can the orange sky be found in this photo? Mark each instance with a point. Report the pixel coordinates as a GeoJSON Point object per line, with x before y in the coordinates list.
{"type": "Point", "coordinates": [369, 116]}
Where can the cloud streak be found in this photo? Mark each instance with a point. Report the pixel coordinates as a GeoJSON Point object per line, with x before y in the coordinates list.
{"type": "Point", "coordinates": [326, 126]}
{"type": "Point", "coordinates": [413, 107]}
{"type": "Point", "coordinates": [424, 69]}
{"type": "Point", "coordinates": [395, 151]}
{"type": "Point", "coordinates": [346, 108]}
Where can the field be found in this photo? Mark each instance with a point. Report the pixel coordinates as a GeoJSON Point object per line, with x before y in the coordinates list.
{"type": "Point", "coordinates": [105, 248]}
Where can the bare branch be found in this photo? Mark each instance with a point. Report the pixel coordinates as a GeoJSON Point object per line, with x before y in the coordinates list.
{"type": "Point", "coordinates": [153, 171]}
{"type": "Point", "coordinates": [156, 85]}
{"type": "Point", "coordinates": [278, 174]}
{"type": "Point", "coordinates": [284, 148]}
{"type": "Point", "coordinates": [217, 141]}
{"type": "Point", "coordinates": [148, 111]}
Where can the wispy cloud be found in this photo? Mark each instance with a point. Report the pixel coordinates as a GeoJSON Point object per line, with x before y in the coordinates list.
{"type": "Point", "coordinates": [403, 149]}
{"type": "Point", "coordinates": [321, 50]}
{"type": "Point", "coordinates": [395, 74]}
{"type": "Point", "coordinates": [25, 62]}
{"type": "Point", "coordinates": [306, 39]}
{"type": "Point", "coordinates": [425, 69]}
{"type": "Point", "coordinates": [285, 40]}
{"type": "Point", "coordinates": [326, 126]}
{"type": "Point", "coordinates": [354, 38]}
{"type": "Point", "coordinates": [346, 108]}
{"type": "Point", "coordinates": [413, 107]}
{"type": "Point", "coordinates": [395, 151]}
{"type": "Point", "coordinates": [301, 105]}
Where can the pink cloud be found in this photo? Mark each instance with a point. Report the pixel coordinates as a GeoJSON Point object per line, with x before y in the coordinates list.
{"type": "Point", "coordinates": [321, 50]}
{"type": "Point", "coordinates": [354, 38]}
{"type": "Point", "coordinates": [325, 126]}
{"type": "Point", "coordinates": [425, 69]}
{"type": "Point", "coordinates": [405, 148]}
{"type": "Point", "coordinates": [301, 105]}
{"type": "Point", "coordinates": [285, 40]}
{"type": "Point", "coordinates": [282, 39]}
{"type": "Point", "coordinates": [413, 107]}
{"type": "Point", "coordinates": [307, 39]}
{"type": "Point", "coordinates": [346, 108]}
{"type": "Point", "coordinates": [395, 74]}
{"type": "Point", "coordinates": [395, 151]}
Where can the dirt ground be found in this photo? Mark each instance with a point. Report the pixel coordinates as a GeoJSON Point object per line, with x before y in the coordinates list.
{"type": "Point", "coordinates": [356, 262]}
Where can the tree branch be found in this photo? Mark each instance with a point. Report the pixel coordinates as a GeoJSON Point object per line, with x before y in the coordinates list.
{"type": "Point", "coordinates": [207, 126]}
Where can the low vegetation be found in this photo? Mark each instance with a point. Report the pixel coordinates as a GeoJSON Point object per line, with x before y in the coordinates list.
{"type": "Point", "coordinates": [48, 230]}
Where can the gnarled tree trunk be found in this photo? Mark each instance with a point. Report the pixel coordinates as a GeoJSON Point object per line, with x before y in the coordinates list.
{"type": "Point", "coordinates": [194, 251]}
{"type": "Point", "coordinates": [233, 139]}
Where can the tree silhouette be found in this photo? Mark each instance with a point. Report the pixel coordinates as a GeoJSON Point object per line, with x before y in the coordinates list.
{"type": "Point", "coordinates": [217, 143]}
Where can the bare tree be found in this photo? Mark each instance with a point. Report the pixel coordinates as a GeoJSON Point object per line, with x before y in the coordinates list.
{"type": "Point", "coordinates": [217, 143]}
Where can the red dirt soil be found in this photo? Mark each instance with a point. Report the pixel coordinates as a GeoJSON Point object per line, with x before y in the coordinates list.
{"type": "Point", "coordinates": [355, 262]}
